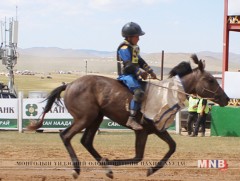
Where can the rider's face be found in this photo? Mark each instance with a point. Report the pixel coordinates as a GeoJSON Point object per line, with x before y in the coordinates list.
{"type": "Point", "coordinates": [133, 40]}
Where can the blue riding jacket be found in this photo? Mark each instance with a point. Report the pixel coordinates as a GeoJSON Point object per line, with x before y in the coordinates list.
{"type": "Point", "coordinates": [130, 64]}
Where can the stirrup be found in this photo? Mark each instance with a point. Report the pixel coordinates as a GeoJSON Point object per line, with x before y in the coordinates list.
{"type": "Point", "coordinates": [133, 124]}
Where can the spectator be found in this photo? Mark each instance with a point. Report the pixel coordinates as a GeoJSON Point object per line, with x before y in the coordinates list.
{"type": "Point", "coordinates": [192, 112]}
{"type": "Point", "coordinates": [202, 111]}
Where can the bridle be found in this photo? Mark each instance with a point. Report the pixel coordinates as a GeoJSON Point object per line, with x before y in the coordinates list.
{"type": "Point", "coordinates": [187, 94]}
{"type": "Point", "coordinates": [213, 92]}
{"type": "Point", "coordinates": [207, 90]}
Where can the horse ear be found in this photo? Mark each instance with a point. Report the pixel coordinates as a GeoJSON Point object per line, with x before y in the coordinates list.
{"type": "Point", "coordinates": [194, 58]}
{"type": "Point", "coordinates": [201, 65]}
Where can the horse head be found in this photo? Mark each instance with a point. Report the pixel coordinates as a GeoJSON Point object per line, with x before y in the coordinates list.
{"type": "Point", "coordinates": [200, 81]}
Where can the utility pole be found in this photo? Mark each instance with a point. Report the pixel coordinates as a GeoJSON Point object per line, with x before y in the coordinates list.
{"type": "Point", "coordinates": [86, 68]}
{"type": "Point", "coordinates": [8, 53]}
{"type": "Point", "coordinates": [162, 62]}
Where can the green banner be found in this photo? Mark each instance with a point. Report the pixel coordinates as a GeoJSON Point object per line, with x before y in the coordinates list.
{"type": "Point", "coordinates": [225, 121]}
{"type": "Point", "coordinates": [108, 124]}
{"type": "Point", "coordinates": [64, 123]}
{"type": "Point", "coordinates": [8, 123]}
{"type": "Point", "coordinates": [51, 123]}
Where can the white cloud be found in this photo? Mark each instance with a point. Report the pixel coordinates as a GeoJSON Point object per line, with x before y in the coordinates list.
{"type": "Point", "coordinates": [106, 5]}
{"type": "Point", "coordinates": [112, 5]}
{"type": "Point", "coordinates": [153, 2]}
{"type": "Point", "coordinates": [176, 22]}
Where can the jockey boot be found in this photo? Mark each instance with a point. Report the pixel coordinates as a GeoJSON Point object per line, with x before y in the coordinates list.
{"type": "Point", "coordinates": [132, 121]}
{"type": "Point", "coordinates": [193, 135]}
{"type": "Point", "coordinates": [133, 124]}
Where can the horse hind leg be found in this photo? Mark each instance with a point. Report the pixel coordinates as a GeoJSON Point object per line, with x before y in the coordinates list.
{"type": "Point", "coordinates": [66, 137]}
{"type": "Point", "coordinates": [87, 142]}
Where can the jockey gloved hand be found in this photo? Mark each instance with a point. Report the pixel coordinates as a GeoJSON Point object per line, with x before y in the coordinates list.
{"type": "Point", "coordinates": [153, 75]}
{"type": "Point", "coordinates": [144, 75]}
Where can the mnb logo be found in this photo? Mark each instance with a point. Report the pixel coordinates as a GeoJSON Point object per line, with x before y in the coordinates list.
{"type": "Point", "coordinates": [212, 164]}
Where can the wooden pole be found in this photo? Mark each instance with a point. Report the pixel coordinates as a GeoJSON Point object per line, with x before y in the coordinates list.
{"type": "Point", "coordinates": [162, 61]}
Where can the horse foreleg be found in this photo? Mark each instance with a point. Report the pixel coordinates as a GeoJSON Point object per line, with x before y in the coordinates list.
{"type": "Point", "coordinates": [66, 136]}
{"type": "Point", "coordinates": [140, 143]}
{"type": "Point", "coordinates": [172, 147]}
{"type": "Point", "coordinates": [87, 142]}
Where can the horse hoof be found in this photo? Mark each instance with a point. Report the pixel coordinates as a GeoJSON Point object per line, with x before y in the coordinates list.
{"type": "Point", "coordinates": [149, 172]}
{"type": "Point", "coordinates": [109, 174]}
{"type": "Point", "coordinates": [104, 163]}
{"type": "Point", "coordinates": [75, 174]}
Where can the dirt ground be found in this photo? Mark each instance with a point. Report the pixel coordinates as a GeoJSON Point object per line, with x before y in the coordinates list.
{"type": "Point", "coordinates": [120, 174]}
{"type": "Point", "coordinates": [42, 157]}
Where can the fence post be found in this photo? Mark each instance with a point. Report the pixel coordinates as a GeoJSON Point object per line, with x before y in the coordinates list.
{"type": "Point", "coordinates": [178, 123]}
{"type": "Point", "coordinates": [20, 101]}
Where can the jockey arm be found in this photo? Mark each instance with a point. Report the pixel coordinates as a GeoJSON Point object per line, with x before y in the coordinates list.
{"type": "Point", "coordinates": [146, 67]}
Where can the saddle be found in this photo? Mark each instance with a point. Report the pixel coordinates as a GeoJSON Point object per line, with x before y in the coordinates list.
{"type": "Point", "coordinates": [162, 101]}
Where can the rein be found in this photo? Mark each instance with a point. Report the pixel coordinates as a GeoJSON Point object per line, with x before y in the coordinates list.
{"type": "Point", "coordinates": [169, 88]}
{"type": "Point", "coordinates": [213, 92]}
{"type": "Point", "coordinates": [187, 94]}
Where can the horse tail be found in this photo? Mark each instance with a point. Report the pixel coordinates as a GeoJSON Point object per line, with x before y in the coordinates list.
{"type": "Point", "coordinates": [54, 95]}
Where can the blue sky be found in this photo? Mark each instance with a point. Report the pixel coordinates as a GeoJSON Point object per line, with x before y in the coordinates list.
{"type": "Point", "coordinates": [172, 25]}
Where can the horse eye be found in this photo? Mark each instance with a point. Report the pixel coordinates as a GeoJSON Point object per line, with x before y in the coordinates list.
{"type": "Point", "coordinates": [211, 81]}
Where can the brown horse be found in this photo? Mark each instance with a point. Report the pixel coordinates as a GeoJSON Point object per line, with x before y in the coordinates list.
{"type": "Point", "coordinates": [90, 98]}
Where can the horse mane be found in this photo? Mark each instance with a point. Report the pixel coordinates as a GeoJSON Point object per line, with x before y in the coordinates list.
{"type": "Point", "coordinates": [181, 69]}
{"type": "Point", "coordinates": [185, 68]}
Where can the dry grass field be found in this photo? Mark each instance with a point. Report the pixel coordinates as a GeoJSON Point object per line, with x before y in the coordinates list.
{"type": "Point", "coordinates": [44, 63]}
{"type": "Point", "coordinates": [31, 156]}
{"type": "Point", "coordinates": [44, 67]}
{"type": "Point", "coordinates": [40, 82]}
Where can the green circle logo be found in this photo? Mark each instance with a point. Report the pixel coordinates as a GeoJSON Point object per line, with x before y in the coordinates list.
{"type": "Point", "coordinates": [31, 109]}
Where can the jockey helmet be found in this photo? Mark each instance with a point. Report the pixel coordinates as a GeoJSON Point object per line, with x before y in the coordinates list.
{"type": "Point", "coordinates": [132, 29]}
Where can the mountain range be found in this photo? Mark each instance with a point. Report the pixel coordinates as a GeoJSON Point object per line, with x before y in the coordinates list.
{"type": "Point", "coordinates": [50, 59]}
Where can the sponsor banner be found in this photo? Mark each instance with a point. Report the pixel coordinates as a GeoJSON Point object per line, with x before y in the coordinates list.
{"type": "Point", "coordinates": [8, 123]}
{"type": "Point", "coordinates": [9, 108]}
{"type": "Point", "coordinates": [9, 113]}
{"type": "Point", "coordinates": [108, 124]}
{"type": "Point", "coordinates": [64, 123]}
{"type": "Point", "coordinates": [51, 123]}
{"type": "Point", "coordinates": [33, 108]}
{"type": "Point", "coordinates": [57, 118]}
